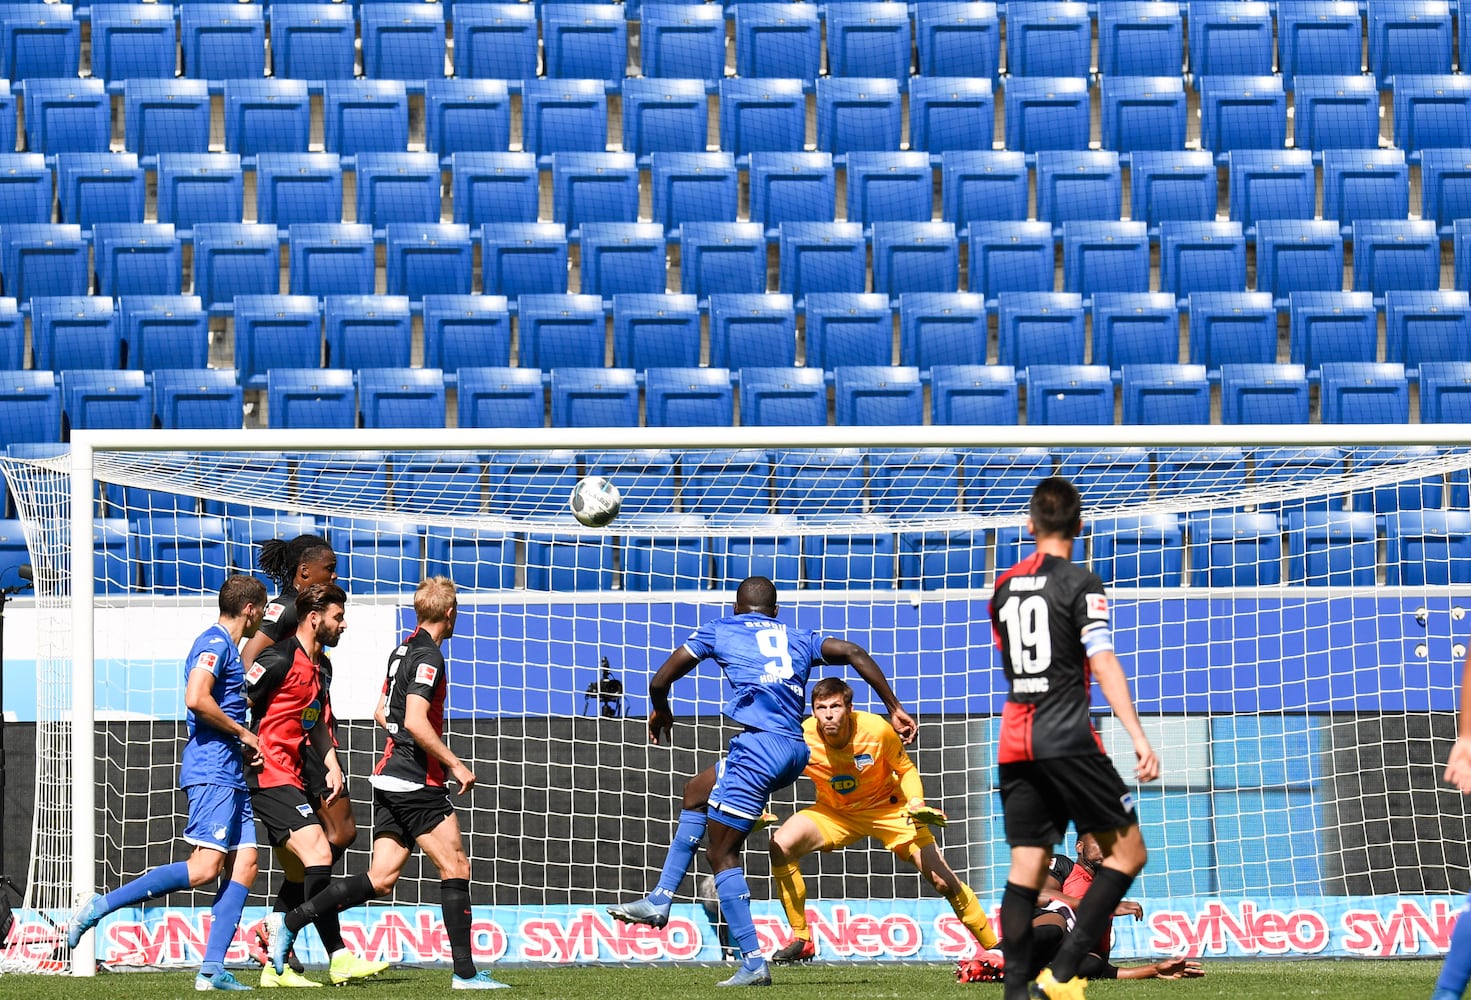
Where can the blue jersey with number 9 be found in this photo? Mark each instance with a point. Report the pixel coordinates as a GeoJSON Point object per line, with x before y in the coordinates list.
{"type": "Point", "coordinates": [767, 662]}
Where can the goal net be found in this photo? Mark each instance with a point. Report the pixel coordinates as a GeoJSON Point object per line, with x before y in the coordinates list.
{"type": "Point", "coordinates": [1288, 605]}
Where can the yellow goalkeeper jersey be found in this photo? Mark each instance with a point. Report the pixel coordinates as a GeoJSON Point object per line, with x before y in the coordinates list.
{"type": "Point", "coordinates": [871, 772]}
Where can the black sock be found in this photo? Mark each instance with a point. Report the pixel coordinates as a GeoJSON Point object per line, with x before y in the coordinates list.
{"type": "Point", "coordinates": [1095, 914]}
{"type": "Point", "coordinates": [454, 901]}
{"type": "Point", "coordinates": [1017, 904]}
{"type": "Point", "coordinates": [292, 895]}
{"type": "Point", "coordinates": [318, 879]}
{"type": "Point", "coordinates": [339, 895]}
{"type": "Point", "coordinates": [1046, 939]}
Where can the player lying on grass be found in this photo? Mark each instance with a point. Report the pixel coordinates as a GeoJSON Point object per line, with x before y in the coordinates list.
{"type": "Point", "coordinates": [221, 824]}
{"type": "Point", "coordinates": [411, 804]}
{"type": "Point", "coordinates": [767, 662]}
{"type": "Point", "coordinates": [866, 787]}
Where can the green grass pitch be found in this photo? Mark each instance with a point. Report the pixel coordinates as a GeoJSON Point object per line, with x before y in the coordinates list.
{"type": "Point", "coordinates": [1343, 980]}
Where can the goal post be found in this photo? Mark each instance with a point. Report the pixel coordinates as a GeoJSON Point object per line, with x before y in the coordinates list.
{"type": "Point", "coordinates": [1289, 601]}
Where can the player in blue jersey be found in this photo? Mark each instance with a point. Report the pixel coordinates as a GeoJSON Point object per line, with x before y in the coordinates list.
{"type": "Point", "coordinates": [767, 663]}
{"type": "Point", "coordinates": [221, 823]}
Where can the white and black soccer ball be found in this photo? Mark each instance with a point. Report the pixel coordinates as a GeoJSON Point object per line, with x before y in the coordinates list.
{"type": "Point", "coordinates": [595, 501]}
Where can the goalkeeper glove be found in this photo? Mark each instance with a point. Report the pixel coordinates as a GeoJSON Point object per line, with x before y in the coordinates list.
{"type": "Point", "coordinates": [928, 815]}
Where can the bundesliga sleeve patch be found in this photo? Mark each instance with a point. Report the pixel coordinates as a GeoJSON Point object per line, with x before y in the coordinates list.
{"type": "Point", "coordinates": [1097, 606]}
{"type": "Point", "coordinates": [206, 661]}
{"type": "Point", "coordinates": [273, 611]}
{"type": "Point", "coordinates": [255, 673]}
{"type": "Point", "coordinates": [426, 673]}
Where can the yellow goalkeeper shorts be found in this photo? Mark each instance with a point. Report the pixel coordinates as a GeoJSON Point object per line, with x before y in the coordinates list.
{"type": "Point", "coordinates": [890, 826]}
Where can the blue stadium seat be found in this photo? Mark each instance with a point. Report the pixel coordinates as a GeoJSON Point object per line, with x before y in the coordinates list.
{"type": "Point", "coordinates": [1046, 113]}
{"type": "Point", "coordinates": [276, 331]}
{"type": "Point", "coordinates": [941, 557]}
{"type": "Point", "coordinates": [1264, 394]}
{"type": "Point", "coordinates": [878, 395]}
{"type": "Point", "coordinates": [402, 41]}
{"type": "Point", "coordinates": [890, 187]}
{"type": "Point", "coordinates": [1140, 40]}
{"type": "Point", "coordinates": [1319, 38]}
{"type": "Point", "coordinates": [1202, 470]}
{"type": "Point", "coordinates": [321, 478]}
{"type": "Point", "coordinates": [495, 41]}
{"type": "Point", "coordinates": [956, 38]}
{"type": "Point", "coordinates": [821, 482]}
{"type": "Point", "coordinates": [500, 397]}
{"type": "Point", "coordinates": [1232, 328]}
{"type": "Point", "coordinates": [30, 403]}
{"type": "Point", "coordinates": [856, 113]}
{"type": "Point", "coordinates": [1289, 465]}
{"type": "Point", "coordinates": [12, 337]}
{"type": "Point", "coordinates": [1445, 185]}
{"type": "Point", "coordinates": [822, 257]}
{"type": "Point", "coordinates": [223, 41]}
{"type": "Point", "coordinates": [664, 116]}
{"type": "Point", "coordinates": [1431, 112]}
{"type": "Point", "coordinates": [688, 397]}
{"type": "Point", "coordinates": [868, 40]}
{"type": "Point", "coordinates": [645, 477]}
{"type": "Point", "coordinates": [40, 261]}
{"type": "Point", "coordinates": [365, 116]}
{"type": "Point", "coordinates": [562, 116]}
{"type": "Point", "coordinates": [863, 559]}
{"type": "Point", "coordinates": [594, 397]}
{"type": "Point", "coordinates": [397, 188]}
{"type": "Point", "coordinates": [848, 329]}
{"type": "Point", "coordinates": [199, 188]}
{"type": "Point", "coordinates": [94, 399]}
{"type": "Point", "coordinates": [1335, 112]}
{"type": "Point", "coordinates": [622, 257]}
{"type": "Point", "coordinates": [1426, 326]}
{"type": "Point", "coordinates": [1365, 393]}
{"type": "Point", "coordinates": [914, 257]}
{"type": "Point", "coordinates": [792, 187]}
{"type": "Point", "coordinates": [1135, 328]}
{"type": "Point", "coordinates": [75, 332]}
{"type": "Point", "coordinates": [949, 113]}
{"type": "Point", "coordinates": [165, 332]}
{"type": "Point", "coordinates": [1143, 550]}
{"type": "Point", "coordinates": [1105, 257]}
{"type": "Point", "coordinates": [664, 561]}
{"type": "Point", "coordinates": [1040, 328]}
{"type": "Point", "coordinates": [1011, 257]}
{"type": "Point", "coordinates": [1402, 255]}
{"type": "Point", "coordinates": [1332, 326]}
{"type": "Point", "coordinates": [132, 42]}
{"type": "Point", "coordinates": [1078, 185]}
{"type": "Point", "coordinates": [772, 550]}
{"type": "Point", "coordinates": [694, 187]}
{"type": "Point", "coordinates": [722, 257]}
{"type": "Point", "coordinates": [1331, 548]}
{"type": "Point", "coordinates": [1227, 37]}
{"type": "Point", "coordinates": [1275, 184]}
{"type": "Point", "coordinates": [1144, 113]}
{"type": "Point", "coordinates": [1294, 255]}
{"type": "Point", "coordinates": [401, 397]}
{"type": "Point", "coordinates": [231, 260]}
{"type": "Point", "coordinates": [1365, 184]}
{"type": "Point", "coordinates": [1166, 394]}
{"type": "Point", "coordinates": [137, 259]}
{"type": "Point", "coordinates": [312, 41]}
{"type": "Point", "coordinates": [197, 399]}
{"type": "Point", "coordinates": [434, 258]}
{"type": "Point", "coordinates": [783, 397]}
{"type": "Point", "coordinates": [474, 558]}
{"type": "Point", "coordinates": [1201, 257]}
{"type": "Point", "coordinates": [368, 331]}
{"type": "Point", "coordinates": [1236, 550]}
{"type": "Point", "coordinates": [331, 259]}
{"type": "Point", "coordinates": [978, 186]}
{"type": "Point", "coordinates": [938, 328]}
{"type": "Point", "coordinates": [561, 331]}
{"type": "Point", "coordinates": [183, 554]}
{"type": "Point", "coordinates": [1242, 112]}
{"type": "Point", "coordinates": [594, 187]}
{"type": "Point", "coordinates": [724, 482]}
{"type": "Point", "coordinates": [583, 41]}
{"type": "Point", "coordinates": [682, 41]}
{"type": "Point", "coordinates": [1069, 394]}
{"type": "Point", "coordinates": [296, 188]}
{"type": "Point", "coordinates": [750, 330]}
{"type": "Point", "coordinates": [776, 41]}
{"type": "Point", "coordinates": [377, 556]}
{"type": "Point", "coordinates": [67, 116]}
{"type": "Point", "coordinates": [1048, 39]}
{"type": "Point", "coordinates": [39, 44]}
{"type": "Point", "coordinates": [569, 563]}
{"type": "Point", "coordinates": [25, 189]}
{"type": "Point", "coordinates": [655, 330]}
{"type": "Point", "coordinates": [466, 331]}
{"type": "Point", "coordinates": [311, 397]}
{"type": "Point", "coordinates": [489, 187]}
{"type": "Point", "coordinates": [1461, 245]}
{"type": "Point", "coordinates": [266, 116]}
{"type": "Point", "coordinates": [466, 116]}
{"type": "Point", "coordinates": [1426, 492]}
{"type": "Point", "coordinates": [1445, 392]}
{"type": "Point", "coordinates": [1428, 548]}
{"type": "Point", "coordinates": [94, 188]}
{"type": "Point", "coordinates": [1001, 480]}
{"type": "Point", "coordinates": [973, 394]}
{"type": "Point", "coordinates": [1409, 37]}
{"type": "Point", "coordinates": [523, 258]}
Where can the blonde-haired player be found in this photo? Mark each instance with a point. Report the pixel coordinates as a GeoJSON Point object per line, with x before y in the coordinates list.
{"type": "Point", "coordinates": [866, 787]}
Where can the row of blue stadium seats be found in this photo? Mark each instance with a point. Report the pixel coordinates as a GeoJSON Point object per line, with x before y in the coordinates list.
{"type": "Point", "coordinates": [188, 553]}
{"type": "Point", "coordinates": [38, 408]}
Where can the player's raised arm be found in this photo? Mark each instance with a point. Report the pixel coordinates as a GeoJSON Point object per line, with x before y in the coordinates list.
{"type": "Point", "coordinates": [1115, 687]}
{"type": "Point", "coordinates": [836, 650]}
{"type": "Point", "coordinates": [661, 719]}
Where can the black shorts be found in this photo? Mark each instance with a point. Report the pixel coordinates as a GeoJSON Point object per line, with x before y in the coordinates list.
{"type": "Point", "coordinates": [1040, 797]}
{"type": "Point", "coordinates": [314, 776]}
{"type": "Point", "coordinates": [410, 815]}
{"type": "Point", "coordinates": [282, 810]}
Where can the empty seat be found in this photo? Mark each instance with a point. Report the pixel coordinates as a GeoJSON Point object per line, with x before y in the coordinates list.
{"type": "Point", "coordinates": [365, 116]}
{"type": "Point", "coordinates": [42, 43]}
{"type": "Point", "coordinates": [1011, 257]}
{"type": "Point", "coordinates": [1051, 39]}
{"type": "Point", "coordinates": [165, 332]}
{"type": "Point", "coordinates": [466, 116]}
{"type": "Point", "coordinates": [1166, 394]}
{"type": "Point", "coordinates": [199, 188]}
{"type": "Point", "coordinates": [30, 403]}
{"type": "Point", "coordinates": [490, 187]}
{"type": "Point", "coordinates": [39, 261]}
{"type": "Point", "coordinates": [722, 257]}
{"type": "Point", "coordinates": [310, 397]}
{"type": "Point", "coordinates": [958, 39]}
{"type": "Point", "coordinates": [1140, 39]}
{"type": "Point", "coordinates": [401, 397]}
{"type": "Point", "coordinates": [133, 41]}
{"type": "Point", "coordinates": [1445, 392]}
{"type": "Point", "coordinates": [1407, 493]}
{"type": "Point", "coordinates": [313, 41]}
{"type": "Point", "coordinates": [397, 187]}
{"type": "Point", "coordinates": [67, 116]}
{"type": "Point", "coordinates": [1319, 38]}
{"type": "Point", "coordinates": [688, 397]}
{"type": "Point", "coordinates": [783, 397]}
{"type": "Point", "coordinates": [973, 394]}
{"type": "Point", "coordinates": [751, 330]}
{"type": "Point", "coordinates": [561, 331]}
{"type": "Point", "coordinates": [106, 400]}
{"type": "Point", "coordinates": [435, 258]}
{"type": "Point", "coordinates": [1365, 184]}
{"type": "Point", "coordinates": [12, 336]}
{"type": "Point", "coordinates": [524, 258]}
{"type": "Point", "coordinates": [466, 331]}
{"type": "Point", "coordinates": [560, 116]}
{"type": "Point", "coordinates": [664, 561]}
{"type": "Point", "coordinates": [1445, 186]}
{"type": "Point", "coordinates": [1232, 328]}
{"type": "Point", "coordinates": [199, 399]}
{"type": "Point", "coordinates": [223, 41]}
{"type": "Point", "coordinates": [664, 116]}
{"type": "Point", "coordinates": [231, 260]}
{"type": "Point", "coordinates": [1135, 328]}
{"type": "Point", "coordinates": [1046, 113]}
{"type": "Point", "coordinates": [1428, 548]}
{"type": "Point", "coordinates": [1242, 112]}
{"type": "Point", "coordinates": [868, 40]}
{"type": "Point", "coordinates": [368, 331]}
{"type": "Point", "coordinates": [1401, 255]}
{"type": "Point", "coordinates": [1431, 112]}
{"type": "Point", "coordinates": [1201, 257]}
{"type": "Point", "coordinates": [948, 113]}
{"type": "Point", "coordinates": [1298, 256]}
{"type": "Point", "coordinates": [879, 395]}
{"type": "Point", "coordinates": [1236, 550]}
{"type": "Point", "coordinates": [569, 562]}
{"type": "Point", "coordinates": [402, 41]}
{"type": "Point", "coordinates": [495, 41]}
{"type": "Point", "coordinates": [890, 187]}
{"type": "Point", "coordinates": [914, 257]}
{"type": "Point", "coordinates": [584, 41]}
{"type": "Point", "coordinates": [682, 41]}
{"type": "Point", "coordinates": [1142, 550]}
{"type": "Point", "coordinates": [1409, 37]}
{"type": "Point", "coordinates": [620, 257]}
{"type": "Point", "coordinates": [777, 41]}
{"type": "Point", "coordinates": [695, 187]}
{"type": "Point", "coordinates": [1040, 328]}
{"type": "Point", "coordinates": [1264, 394]}
{"type": "Point", "coordinates": [821, 481]}
{"type": "Point", "coordinates": [1229, 37]}
{"type": "Point", "coordinates": [645, 477]}
{"type": "Point", "coordinates": [184, 554]}
{"type": "Point", "coordinates": [1280, 184]}
{"type": "Point", "coordinates": [983, 186]}
{"type": "Point", "coordinates": [1335, 112]}
{"type": "Point", "coordinates": [298, 188]}
{"type": "Point", "coordinates": [474, 558]}
{"type": "Point", "coordinates": [1426, 326]}
{"type": "Point", "coordinates": [25, 189]}
{"type": "Point", "coordinates": [846, 328]}
{"type": "Point", "coordinates": [594, 397]}
{"type": "Point", "coordinates": [594, 187]}
{"type": "Point", "coordinates": [266, 116]}
{"type": "Point", "coordinates": [500, 397]}
{"type": "Point", "coordinates": [1365, 393]}
{"type": "Point", "coordinates": [792, 187]}
{"type": "Point", "coordinates": [938, 328]}
{"type": "Point", "coordinates": [1078, 184]}
{"type": "Point", "coordinates": [726, 482]}
{"type": "Point", "coordinates": [276, 331]}
{"type": "Point", "coordinates": [1461, 247]}
{"type": "Point", "coordinates": [75, 332]}
{"type": "Point", "coordinates": [1143, 113]}
{"type": "Point", "coordinates": [858, 113]}
{"type": "Point", "coordinates": [822, 257]}
{"type": "Point", "coordinates": [97, 188]}
{"type": "Point", "coordinates": [1105, 257]}
{"type": "Point", "coordinates": [1333, 326]}
{"type": "Point", "coordinates": [328, 259]}
{"type": "Point", "coordinates": [378, 556]}
{"type": "Point", "coordinates": [137, 259]}
{"type": "Point", "coordinates": [1168, 187]}
{"type": "Point", "coordinates": [1202, 470]}
{"type": "Point", "coordinates": [655, 330]}
{"type": "Point", "coordinates": [1069, 394]}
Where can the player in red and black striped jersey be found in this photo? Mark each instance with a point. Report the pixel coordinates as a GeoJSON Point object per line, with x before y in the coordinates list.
{"type": "Point", "coordinates": [1050, 619]}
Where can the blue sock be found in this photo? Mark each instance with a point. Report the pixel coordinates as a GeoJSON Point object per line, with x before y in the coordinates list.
{"type": "Point", "coordinates": [1457, 968]}
{"type": "Point", "coordinates": [687, 837]}
{"type": "Point", "coordinates": [735, 906]}
{"type": "Point", "coordinates": [155, 882]}
{"type": "Point", "coordinates": [225, 917]}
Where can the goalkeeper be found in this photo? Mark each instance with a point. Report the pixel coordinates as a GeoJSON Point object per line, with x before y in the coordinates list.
{"type": "Point", "coordinates": [866, 787]}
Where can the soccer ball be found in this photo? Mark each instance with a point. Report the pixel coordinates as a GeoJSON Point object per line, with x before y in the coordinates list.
{"type": "Point", "coordinates": [595, 501]}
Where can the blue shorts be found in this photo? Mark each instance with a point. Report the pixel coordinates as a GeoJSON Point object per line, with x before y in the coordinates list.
{"type": "Point", "coordinates": [756, 765]}
{"type": "Point", "coordinates": [220, 817]}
